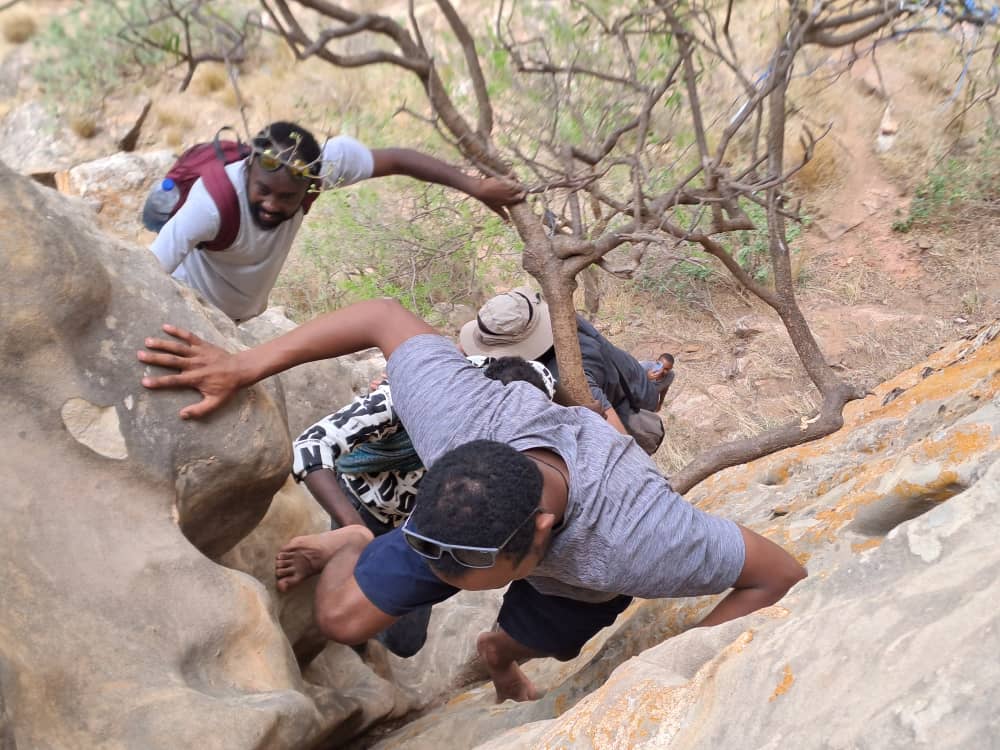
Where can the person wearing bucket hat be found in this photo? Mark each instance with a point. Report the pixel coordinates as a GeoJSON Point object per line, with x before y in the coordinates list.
{"type": "Point", "coordinates": [518, 322]}
{"type": "Point", "coordinates": [572, 519]}
{"type": "Point", "coordinates": [515, 324]}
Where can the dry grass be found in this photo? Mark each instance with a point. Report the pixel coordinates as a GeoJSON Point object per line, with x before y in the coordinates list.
{"type": "Point", "coordinates": [18, 27]}
{"type": "Point", "coordinates": [174, 137]}
{"type": "Point", "coordinates": [84, 124]}
{"type": "Point", "coordinates": [823, 171]}
{"type": "Point", "coordinates": [858, 283]}
{"type": "Point", "coordinates": [227, 97]}
{"type": "Point", "coordinates": [968, 256]}
{"type": "Point", "coordinates": [679, 444]}
{"type": "Point", "coordinates": [170, 114]}
{"type": "Point", "coordinates": [175, 124]}
{"type": "Point", "coordinates": [209, 78]}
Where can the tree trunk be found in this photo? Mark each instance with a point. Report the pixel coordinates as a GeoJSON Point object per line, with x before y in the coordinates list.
{"type": "Point", "coordinates": [539, 260]}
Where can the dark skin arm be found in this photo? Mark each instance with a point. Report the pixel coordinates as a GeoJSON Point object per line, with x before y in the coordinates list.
{"type": "Point", "coordinates": [218, 375]}
{"type": "Point", "coordinates": [493, 192]}
{"type": "Point", "coordinates": [323, 485]}
{"type": "Point", "coordinates": [768, 573]}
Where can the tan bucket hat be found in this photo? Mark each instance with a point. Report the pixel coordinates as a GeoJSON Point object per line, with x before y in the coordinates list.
{"type": "Point", "coordinates": [514, 324]}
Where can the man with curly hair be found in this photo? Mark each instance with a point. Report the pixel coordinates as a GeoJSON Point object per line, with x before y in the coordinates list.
{"type": "Point", "coordinates": [551, 501]}
{"type": "Point", "coordinates": [360, 465]}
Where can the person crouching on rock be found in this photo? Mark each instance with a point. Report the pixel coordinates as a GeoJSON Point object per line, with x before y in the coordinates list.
{"type": "Point", "coordinates": [360, 465]}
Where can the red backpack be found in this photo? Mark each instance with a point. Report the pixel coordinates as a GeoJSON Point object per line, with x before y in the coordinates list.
{"type": "Point", "coordinates": [208, 161]}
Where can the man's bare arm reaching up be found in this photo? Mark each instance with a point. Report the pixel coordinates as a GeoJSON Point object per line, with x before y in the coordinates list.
{"type": "Point", "coordinates": [218, 375]}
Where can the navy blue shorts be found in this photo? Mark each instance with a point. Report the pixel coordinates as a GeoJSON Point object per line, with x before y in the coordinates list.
{"type": "Point", "coordinates": [397, 580]}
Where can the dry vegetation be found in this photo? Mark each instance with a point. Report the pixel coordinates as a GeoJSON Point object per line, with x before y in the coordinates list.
{"type": "Point", "coordinates": [879, 300]}
{"type": "Point", "coordinates": [18, 26]}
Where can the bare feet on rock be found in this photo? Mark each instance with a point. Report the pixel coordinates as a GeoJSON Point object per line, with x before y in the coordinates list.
{"type": "Point", "coordinates": [305, 556]}
{"type": "Point", "coordinates": [508, 679]}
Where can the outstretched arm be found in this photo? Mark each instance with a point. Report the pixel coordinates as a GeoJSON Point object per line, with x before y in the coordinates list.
{"type": "Point", "coordinates": [218, 375]}
{"type": "Point", "coordinates": [493, 192]}
{"type": "Point", "coordinates": [768, 573]}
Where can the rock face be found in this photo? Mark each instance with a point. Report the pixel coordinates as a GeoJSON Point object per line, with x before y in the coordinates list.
{"type": "Point", "coordinates": [891, 642]}
{"type": "Point", "coordinates": [115, 630]}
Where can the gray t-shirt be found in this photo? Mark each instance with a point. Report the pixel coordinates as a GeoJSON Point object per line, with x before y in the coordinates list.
{"type": "Point", "coordinates": [625, 530]}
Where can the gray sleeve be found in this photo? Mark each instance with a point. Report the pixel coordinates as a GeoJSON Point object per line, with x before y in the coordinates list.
{"type": "Point", "coordinates": [346, 161]}
{"type": "Point", "coordinates": [195, 222]}
{"type": "Point", "coordinates": [441, 398]}
{"type": "Point", "coordinates": [673, 549]}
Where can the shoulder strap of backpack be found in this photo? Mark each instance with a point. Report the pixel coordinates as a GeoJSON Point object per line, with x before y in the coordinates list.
{"type": "Point", "coordinates": [222, 192]}
{"type": "Point", "coordinates": [307, 202]}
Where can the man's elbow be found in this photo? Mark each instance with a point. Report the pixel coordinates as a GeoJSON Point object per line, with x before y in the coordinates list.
{"type": "Point", "coordinates": [784, 579]}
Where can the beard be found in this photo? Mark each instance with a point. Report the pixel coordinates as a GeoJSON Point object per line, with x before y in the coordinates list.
{"type": "Point", "coordinates": [271, 221]}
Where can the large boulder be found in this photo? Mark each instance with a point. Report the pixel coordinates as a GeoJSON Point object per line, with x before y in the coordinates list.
{"type": "Point", "coordinates": [116, 629]}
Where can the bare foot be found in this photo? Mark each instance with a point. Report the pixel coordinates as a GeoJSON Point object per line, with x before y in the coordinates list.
{"type": "Point", "coordinates": [305, 556]}
{"type": "Point", "coordinates": [508, 679]}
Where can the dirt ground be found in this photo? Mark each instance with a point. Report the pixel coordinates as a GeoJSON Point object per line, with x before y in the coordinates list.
{"type": "Point", "coordinates": [879, 300]}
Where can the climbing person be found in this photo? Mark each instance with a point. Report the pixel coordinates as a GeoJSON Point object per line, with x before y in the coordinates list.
{"type": "Point", "coordinates": [517, 322]}
{"type": "Point", "coordinates": [361, 467]}
{"type": "Point", "coordinates": [258, 201]}
{"type": "Point", "coordinates": [519, 492]}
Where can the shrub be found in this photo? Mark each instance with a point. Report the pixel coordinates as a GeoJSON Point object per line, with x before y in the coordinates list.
{"type": "Point", "coordinates": [956, 184]}
{"type": "Point", "coordinates": [209, 78]}
{"type": "Point", "coordinates": [70, 73]}
{"type": "Point", "coordinates": [84, 124]}
{"type": "Point", "coordinates": [18, 28]}
{"type": "Point", "coordinates": [417, 244]}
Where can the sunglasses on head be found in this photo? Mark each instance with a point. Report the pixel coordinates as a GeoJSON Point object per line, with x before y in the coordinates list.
{"type": "Point", "coordinates": [464, 555]}
{"type": "Point", "coordinates": [270, 159]}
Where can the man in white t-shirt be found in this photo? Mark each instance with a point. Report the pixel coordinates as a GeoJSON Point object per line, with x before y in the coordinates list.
{"type": "Point", "coordinates": [270, 186]}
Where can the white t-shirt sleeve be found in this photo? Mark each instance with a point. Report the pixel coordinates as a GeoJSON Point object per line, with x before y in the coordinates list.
{"type": "Point", "coordinates": [346, 161]}
{"type": "Point", "coordinates": [197, 221]}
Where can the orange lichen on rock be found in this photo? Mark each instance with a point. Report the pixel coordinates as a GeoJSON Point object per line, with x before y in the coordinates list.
{"type": "Point", "coordinates": [979, 372]}
{"type": "Point", "coordinates": [787, 680]}
{"type": "Point", "coordinates": [832, 520]}
{"type": "Point", "coordinates": [960, 443]}
{"type": "Point", "coordinates": [859, 547]}
{"type": "Point", "coordinates": [943, 487]}
{"type": "Point", "coordinates": [631, 708]}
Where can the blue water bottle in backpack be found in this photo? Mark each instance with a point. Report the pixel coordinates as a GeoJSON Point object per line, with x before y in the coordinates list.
{"type": "Point", "coordinates": [160, 205]}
